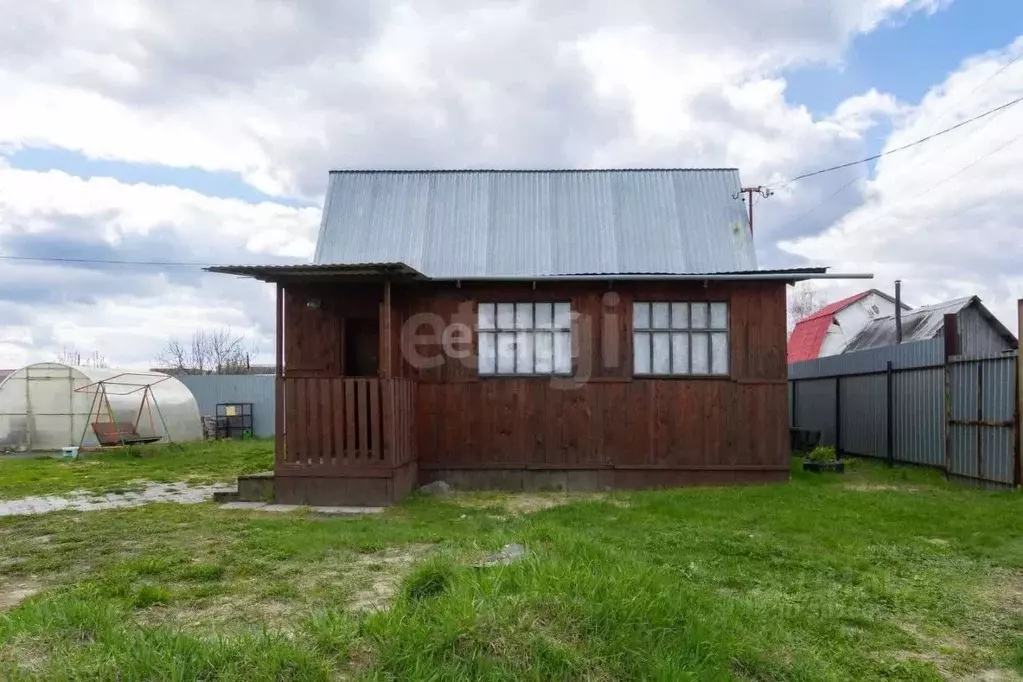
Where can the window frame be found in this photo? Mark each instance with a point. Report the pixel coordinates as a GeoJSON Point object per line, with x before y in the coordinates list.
{"type": "Point", "coordinates": [688, 331]}
{"type": "Point", "coordinates": [534, 331]}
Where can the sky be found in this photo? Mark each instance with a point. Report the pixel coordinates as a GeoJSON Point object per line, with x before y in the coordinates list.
{"type": "Point", "coordinates": [200, 133]}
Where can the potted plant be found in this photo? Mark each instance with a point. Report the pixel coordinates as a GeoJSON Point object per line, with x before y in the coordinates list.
{"type": "Point", "coordinates": [822, 458]}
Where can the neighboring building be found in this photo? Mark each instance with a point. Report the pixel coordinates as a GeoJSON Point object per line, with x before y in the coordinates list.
{"type": "Point", "coordinates": [601, 328]}
{"type": "Point", "coordinates": [829, 330]}
{"type": "Point", "coordinates": [979, 333]}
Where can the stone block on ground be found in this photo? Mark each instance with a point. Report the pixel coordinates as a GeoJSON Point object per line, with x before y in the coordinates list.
{"type": "Point", "coordinates": [436, 488]}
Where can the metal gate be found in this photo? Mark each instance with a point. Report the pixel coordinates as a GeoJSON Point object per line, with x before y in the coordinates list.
{"type": "Point", "coordinates": [981, 412]}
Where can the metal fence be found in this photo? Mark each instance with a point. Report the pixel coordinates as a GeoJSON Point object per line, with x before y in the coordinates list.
{"type": "Point", "coordinates": [258, 389]}
{"type": "Point", "coordinates": [909, 403]}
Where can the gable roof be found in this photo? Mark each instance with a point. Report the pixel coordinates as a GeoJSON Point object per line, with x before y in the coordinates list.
{"type": "Point", "coordinates": [520, 223]}
{"type": "Point", "coordinates": [925, 322]}
{"type": "Point", "coordinates": [808, 335]}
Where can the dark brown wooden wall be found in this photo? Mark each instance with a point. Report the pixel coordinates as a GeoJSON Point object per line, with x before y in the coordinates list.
{"type": "Point", "coordinates": [605, 417]}
{"type": "Point", "coordinates": [314, 337]}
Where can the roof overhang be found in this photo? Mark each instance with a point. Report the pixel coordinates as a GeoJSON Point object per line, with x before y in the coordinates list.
{"type": "Point", "coordinates": [321, 272]}
{"type": "Point", "coordinates": [401, 271]}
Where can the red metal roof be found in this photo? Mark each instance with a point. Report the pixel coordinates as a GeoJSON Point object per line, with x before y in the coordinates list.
{"type": "Point", "coordinates": [808, 335]}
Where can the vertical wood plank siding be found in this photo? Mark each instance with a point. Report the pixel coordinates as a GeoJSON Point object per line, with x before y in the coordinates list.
{"type": "Point", "coordinates": [339, 423]}
{"type": "Point", "coordinates": [445, 417]}
{"type": "Point", "coordinates": [607, 418]}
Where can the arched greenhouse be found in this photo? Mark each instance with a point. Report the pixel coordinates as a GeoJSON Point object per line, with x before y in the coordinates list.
{"type": "Point", "coordinates": [48, 406]}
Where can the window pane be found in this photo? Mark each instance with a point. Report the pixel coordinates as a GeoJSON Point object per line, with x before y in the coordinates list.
{"type": "Point", "coordinates": [699, 315]}
{"type": "Point", "coordinates": [562, 352]}
{"type": "Point", "coordinates": [544, 317]}
{"type": "Point", "coordinates": [680, 316]}
{"type": "Point", "coordinates": [523, 315]}
{"type": "Point", "coordinates": [662, 350]}
{"type": "Point", "coordinates": [506, 353]}
{"type": "Point", "coordinates": [661, 311]}
{"type": "Point", "coordinates": [719, 353]}
{"type": "Point", "coordinates": [700, 349]}
{"type": "Point", "coordinates": [641, 315]}
{"type": "Point", "coordinates": [562, 316]}
{"type": "Point", "coordinates": [641, 353]}
{"type": "Point", "coordinates": [505, 315]}
{"type": "Point", "coordinates": [486, 316]}
{"type": "Point", "coordinates": [524, 353]}
{"type": "Point", "coordinates": [719, 316]}
{"type": "Point", "coordinates": [487, 353]}
{"type": "Point", "coordinates": [680, 353]}
{"type": "Point", "coordinates": [544, 352]}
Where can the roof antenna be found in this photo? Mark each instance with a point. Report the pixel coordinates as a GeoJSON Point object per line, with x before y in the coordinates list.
{"type": "Point", "coordinates": [748, 191]}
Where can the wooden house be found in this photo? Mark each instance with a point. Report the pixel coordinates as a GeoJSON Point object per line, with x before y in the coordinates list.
{"type": "Point", "coordinates": [528, 330]}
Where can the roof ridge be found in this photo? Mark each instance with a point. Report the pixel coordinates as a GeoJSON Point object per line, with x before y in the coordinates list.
{"type": "Point", "coordinates": [529, 170]}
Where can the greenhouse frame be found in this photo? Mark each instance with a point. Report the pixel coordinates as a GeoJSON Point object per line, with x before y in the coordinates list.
{"type": "Point", "coordinates": [49, 406]}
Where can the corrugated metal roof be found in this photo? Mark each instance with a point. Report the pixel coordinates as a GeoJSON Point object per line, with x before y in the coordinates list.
{"type": "Point", "coordinates": [925, 322]}
{"type": "Point", "coordinates": [484, 223]}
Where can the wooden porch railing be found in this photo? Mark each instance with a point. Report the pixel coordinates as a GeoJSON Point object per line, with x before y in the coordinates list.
{"type": "Point", "coordinates": [338, 425]}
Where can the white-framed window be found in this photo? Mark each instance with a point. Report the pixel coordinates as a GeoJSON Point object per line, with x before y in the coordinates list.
{"type": "Point", "coordinates": [524, 339]}
{"type": "Point", "coordinates": [680, 338]}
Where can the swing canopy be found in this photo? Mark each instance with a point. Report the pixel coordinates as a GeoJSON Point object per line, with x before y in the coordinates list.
{"type": "Point", "coordinates": [47, 406]}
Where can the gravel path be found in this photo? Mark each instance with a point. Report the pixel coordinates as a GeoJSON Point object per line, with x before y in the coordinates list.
{"type": "Point", "coordinates": [83, 500]}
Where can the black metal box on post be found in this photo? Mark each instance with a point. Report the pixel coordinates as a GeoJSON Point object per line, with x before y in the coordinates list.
{"type": "Point", "coordinates": [234, 420]}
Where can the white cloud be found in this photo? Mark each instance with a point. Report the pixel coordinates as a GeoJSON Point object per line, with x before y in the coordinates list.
{"type": "Point", "coordinates": [129, 312]}
{"type": "Point", "coordinates": [944, 216]}
{"type": "Point", "coordinates": [279, 92]}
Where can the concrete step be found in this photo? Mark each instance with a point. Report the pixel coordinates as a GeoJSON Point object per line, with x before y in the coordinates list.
{"type": "Point", "coordinates": [225, 496]}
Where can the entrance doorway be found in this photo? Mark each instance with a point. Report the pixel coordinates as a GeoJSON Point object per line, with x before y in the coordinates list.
{"type": "Point", "coordinates": [361, 347]}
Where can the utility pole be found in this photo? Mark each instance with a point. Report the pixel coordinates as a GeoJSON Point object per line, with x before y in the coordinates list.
{"type": "Point", "coordinates": [748, 191]}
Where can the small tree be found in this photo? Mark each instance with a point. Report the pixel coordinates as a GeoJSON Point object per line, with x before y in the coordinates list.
{"type": "Point", "coordinates": [217, 351]}
{"type": "Point", "coordinates": [804, 300]}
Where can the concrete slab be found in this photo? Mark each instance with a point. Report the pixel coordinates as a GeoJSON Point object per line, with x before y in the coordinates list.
{"type": "Point", "coordinates": [243, 505]}
{"type": "Point", "coordinates": [341, 511]}
{"type": "Point", "coordinates": [277, 507]}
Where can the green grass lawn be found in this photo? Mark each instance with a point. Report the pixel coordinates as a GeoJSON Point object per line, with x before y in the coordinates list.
{"type": "Point", "coordinates": [121, 468]}
{"type": "Point", "coordinates": [876, 574]}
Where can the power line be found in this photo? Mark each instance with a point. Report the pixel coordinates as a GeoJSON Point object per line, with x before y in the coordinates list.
{"type": "Point", "coordinates": [786, 183]}
{"type": "Point", "coordinates": [938, 184]}
{"type": "Point", "coordinates": [100, 261]}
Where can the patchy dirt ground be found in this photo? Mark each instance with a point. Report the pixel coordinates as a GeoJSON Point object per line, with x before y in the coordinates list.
{"type": "Point", "coordinates": [518, 504]}
{"type": "Point", "coordinates": [12, 595]}
{"type": "Point", "coordinates": [378, 575]}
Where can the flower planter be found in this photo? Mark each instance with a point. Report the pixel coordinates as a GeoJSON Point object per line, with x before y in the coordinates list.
{"type": "Point", "coordinates": [823, 467]}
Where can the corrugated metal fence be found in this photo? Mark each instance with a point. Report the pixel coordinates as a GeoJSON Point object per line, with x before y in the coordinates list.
{"type": "Point", "coordinates": [258, 389]}
{"type": "Point", "coordinates": [907, 403]}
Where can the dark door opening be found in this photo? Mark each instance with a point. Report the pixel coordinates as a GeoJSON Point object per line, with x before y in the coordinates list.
{"type": "Point", "coordinates": [362, 347]}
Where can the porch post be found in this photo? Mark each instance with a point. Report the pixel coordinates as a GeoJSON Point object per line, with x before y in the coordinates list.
{"type": "Point", "coordinates": [385, 334]}
{"type": "Point", "coordinates": [279, 434]}
{"type": "Point", "coordinates": [387, 385]}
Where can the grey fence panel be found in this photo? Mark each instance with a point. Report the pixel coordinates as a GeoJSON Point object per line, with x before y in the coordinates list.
{"type": "Point", "coordinates": [928, 353]}
{"type": "Point", "coordinates": [980, 425]}
{"type": "Point", "coordinates": [815, 407]}
{"type": "Point", "coordinates": [864, 415]}
{"type": "Point", "coordinates": [919, 416]}
{"type": "Point", "coordinates": [243, 388]}
{"type": "Point", "coordinates": [963, 438]}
